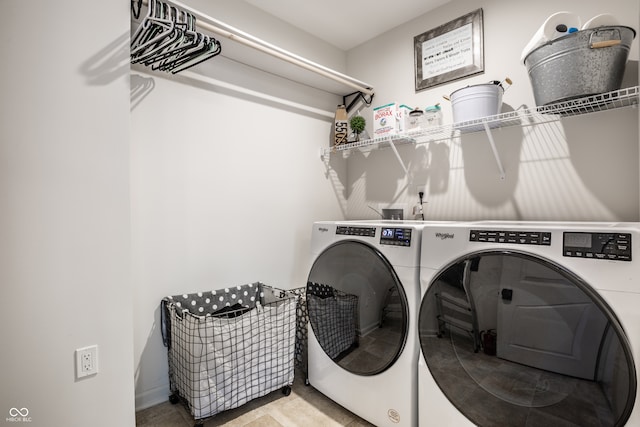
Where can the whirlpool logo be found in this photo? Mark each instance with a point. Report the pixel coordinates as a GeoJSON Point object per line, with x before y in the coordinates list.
{"type": "Point", "coordinates": [18, 415]}
{"type": "Point", "coordinates": [445, 236]}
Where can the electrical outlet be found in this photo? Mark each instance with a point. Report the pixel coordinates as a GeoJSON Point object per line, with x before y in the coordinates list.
{"type": "Point", "coordinates": [86, 361]}
{"type": "Point", "coordinates": [392, 214]}
{"type": "Point", "coordinates": [392, 211]}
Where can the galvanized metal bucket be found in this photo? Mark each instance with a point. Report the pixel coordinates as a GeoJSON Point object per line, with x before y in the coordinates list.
{"type": "Point", "coordinates": [581, 64]}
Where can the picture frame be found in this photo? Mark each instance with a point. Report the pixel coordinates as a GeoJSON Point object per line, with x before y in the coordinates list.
{"type": "Point", "coordinates": [449, 52]}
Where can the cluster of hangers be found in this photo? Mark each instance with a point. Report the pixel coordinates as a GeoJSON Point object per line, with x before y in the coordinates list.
{"type": "Point", "coordinates": [167, 39]}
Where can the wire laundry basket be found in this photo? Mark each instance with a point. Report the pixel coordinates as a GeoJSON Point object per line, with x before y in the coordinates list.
{"type": "Point", "coordinates": [229, 346]}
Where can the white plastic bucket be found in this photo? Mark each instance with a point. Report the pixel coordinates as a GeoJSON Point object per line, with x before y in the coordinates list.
{"type": "Point", "coordinates": [476, 102]}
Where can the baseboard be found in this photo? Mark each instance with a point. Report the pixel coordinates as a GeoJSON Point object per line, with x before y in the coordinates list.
{"type": "Point", "coordinates": [149, 398]}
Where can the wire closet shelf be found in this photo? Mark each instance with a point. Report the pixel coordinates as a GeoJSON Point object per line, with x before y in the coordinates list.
{"type": "Point", "coordinates": [521, 117]}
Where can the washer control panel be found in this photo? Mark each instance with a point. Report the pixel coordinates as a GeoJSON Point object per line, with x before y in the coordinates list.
{"type": "Point", "coordinates": [356, 231]}
{"type": "Point", "coordinates": [611, 246]}
{"type": "Point", "coordinates": [514, 237]}
{"type": "Point", "coordinates": [395, 236]}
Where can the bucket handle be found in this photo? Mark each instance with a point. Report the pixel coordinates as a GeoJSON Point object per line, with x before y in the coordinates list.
{"type": "Point", "coordinates": [605, 43]}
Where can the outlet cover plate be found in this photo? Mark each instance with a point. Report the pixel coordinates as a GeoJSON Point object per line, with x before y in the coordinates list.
{"type": "Point", "coordinates": [393, 210]}
{"type": "Point", "coordinates": [86, 361]}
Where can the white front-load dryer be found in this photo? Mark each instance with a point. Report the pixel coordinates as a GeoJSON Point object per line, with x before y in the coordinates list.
{"type": "Point", "coordinates": [529, 324]}
{"type": "Point", "coordinates": [363, 294]}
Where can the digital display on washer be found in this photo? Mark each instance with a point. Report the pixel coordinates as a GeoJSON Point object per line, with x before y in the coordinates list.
{"type": "Point", "coordinates": [611, 246]}
{"type": "Point", "coordinates": [395, 236]}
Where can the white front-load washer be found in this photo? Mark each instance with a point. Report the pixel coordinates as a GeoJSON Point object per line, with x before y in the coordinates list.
{"type": "Point", "coordinates": [363, 294]}
{"type": "Point", "coordinates": [529, 324]}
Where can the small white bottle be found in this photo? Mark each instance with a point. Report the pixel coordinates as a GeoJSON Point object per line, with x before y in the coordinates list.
{"type": "Point", "coordinates": [433, 116]}
{"type": "Point", "coordinates": [416, 120]}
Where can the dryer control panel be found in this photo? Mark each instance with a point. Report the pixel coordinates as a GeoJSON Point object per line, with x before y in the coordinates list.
{"type": "Point", "coordinates": [356, 231]}
{"type": "Point", "coordinates": [395, 236]}
{"type": "Point", "coordinates": [612, 246]}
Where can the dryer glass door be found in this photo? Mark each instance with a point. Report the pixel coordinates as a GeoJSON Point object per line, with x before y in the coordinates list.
{"type": "Point", "coordinates": [507, 335]}
{"type": "Point", "coordinates": [357, 307]}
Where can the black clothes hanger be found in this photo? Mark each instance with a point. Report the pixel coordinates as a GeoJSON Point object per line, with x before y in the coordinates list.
{"type": "Point", "coordinates": [167, 39]}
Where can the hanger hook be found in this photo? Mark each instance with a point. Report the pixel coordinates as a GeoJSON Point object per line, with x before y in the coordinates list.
{"type": "Point", "coordinates": [136, 13]}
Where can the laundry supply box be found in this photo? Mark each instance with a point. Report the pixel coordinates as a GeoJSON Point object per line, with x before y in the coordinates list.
{"type": "Point", "coordinates": [390, 119]}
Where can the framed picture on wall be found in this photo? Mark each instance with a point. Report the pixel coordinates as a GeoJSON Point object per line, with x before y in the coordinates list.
{"type": "Point", "coordinates": [449, 52]}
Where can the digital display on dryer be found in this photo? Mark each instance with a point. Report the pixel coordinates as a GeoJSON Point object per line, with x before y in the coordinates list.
{"type": "Point", "coordinates": [395, 236]}
{"type": "Point", "coordinates": [577, 240]}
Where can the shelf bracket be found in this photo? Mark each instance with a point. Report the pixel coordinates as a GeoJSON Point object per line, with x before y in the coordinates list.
{"type": "Point", "coordinates": [493, 148]}
{"type": "Point", "coordinates": [395, 151]}
{"type": "Point", "coordinates": [358, 95]}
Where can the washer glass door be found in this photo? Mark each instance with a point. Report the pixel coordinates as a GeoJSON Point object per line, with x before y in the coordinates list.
{"type": "Point", "coordinates": [357, 307]}
{"type": "Point", "coordinates": [509, 337]}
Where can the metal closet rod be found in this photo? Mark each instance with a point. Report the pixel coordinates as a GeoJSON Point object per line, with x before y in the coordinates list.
{"type": "Point", "coordinates": [220, 28]}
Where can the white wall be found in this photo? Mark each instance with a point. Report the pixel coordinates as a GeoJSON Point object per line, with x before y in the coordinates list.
{"type": "Point", "coordinates": [64, 221]}
{"type": "Point", "coordinates": [226, 180]}
{"type": "Point", "coordinates": [582, 168]}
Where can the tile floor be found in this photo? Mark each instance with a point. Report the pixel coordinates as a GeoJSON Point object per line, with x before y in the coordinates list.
{"type": "Point", "coordinates": [305, 406]}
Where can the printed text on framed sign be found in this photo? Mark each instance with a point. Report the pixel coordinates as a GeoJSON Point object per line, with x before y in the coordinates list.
{"type": "Point", "coordinates": [449, 52]}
